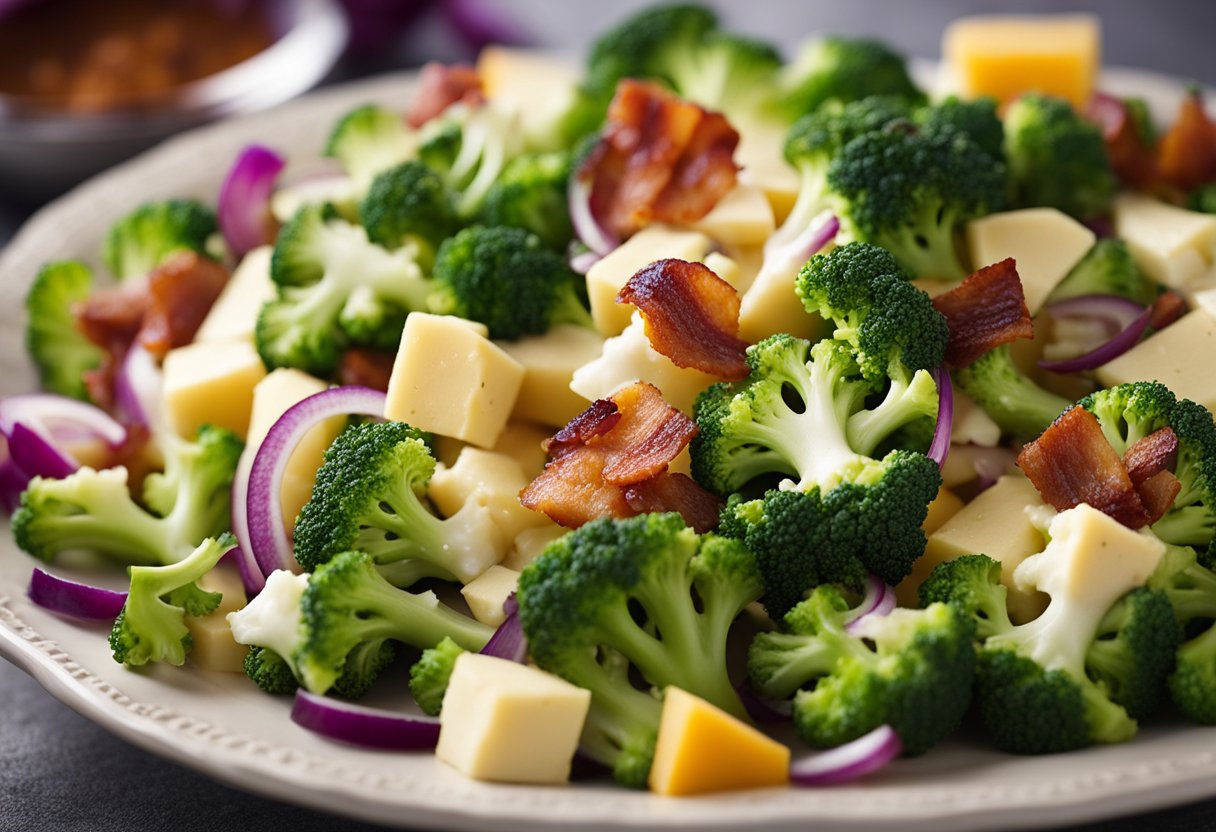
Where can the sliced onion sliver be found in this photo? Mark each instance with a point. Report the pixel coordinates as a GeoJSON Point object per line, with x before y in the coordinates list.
{"type": "Point", "coordinates": [763, 710]}
{"type": "Point", "coordinates": [137, 388]}
{"type": "Point", "coordinates": [1112, 349]}
{"type": "Point", "coordinates": [879, 600]}
{"type": "Point", "coordinates": [586, 227]}
{"type": "Point", "coordinates": [1115, 311]}
{"type": "Point", "coordinates": [267, 535]}
{"type": "Point", "coordinates": [363, 726]}
{"type": "Point", "coordinates": [12, 482]}
{"type": "Point", "coordinates": [52, 416]}
{"type": "Point", "coordinates": [858, 758]}
{"type": "Point", "coordinates": [75, 599]}
{"type": "Point", "coordinates": [244, 201]}
{"type": "Point", "coordinates": [939, 448]}
{"type": "Point", "coordinates": [37, 457]}
{"type": "Point", "coordinates": [251, 570]}
{"type": "Point", "coordinates": [816, 237]}
{"type": "Point", "coordinates": [508, 641]}
{"type": "Point", "coordinates": [582, 262]}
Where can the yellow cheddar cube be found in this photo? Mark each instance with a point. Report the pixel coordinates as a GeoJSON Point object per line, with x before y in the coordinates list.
{"type": "Point", "coordinates": [1179, 356]}
{"type": "Point", "coordinates": [487, 593]}
{"type": "Point", "coordinates": [944, 506]}
{"type": "Point", "coordinates": [761, 158]}
{"type": "Point", "coordinates": [1004, 56]}
{"type": "Point", "coordinates": [510, 722]}
{"type": "Point", "coordinates": [529, 544]}
{"type": "Point", "coordinates": [214, 647]}
{"type": "Point", "coordinates": [450, 379]}
{"type": "Point", "coordinates": [702, 749]}
{"type": "Point", "coordinates": [1046, 244]}
{"type": "Point", "coordinates": [235, 311]}
{"type": "Point", "coordinates": [211, 384]}
{"type": "Point", "coordinates": [609, 275]}
{"type": "Point", "coordinates": [1172, 245]}
{"type": "Point", "coordinates": [539, 87]}
{"type": "Point", "coordinates": [549, 361]}
{"type": "Point", "coordinates": [743, 217]}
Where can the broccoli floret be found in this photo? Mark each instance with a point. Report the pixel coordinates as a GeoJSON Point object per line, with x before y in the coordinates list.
{"type": "Point", "coordinates": [270, 671]}
{"type": "Point", "coordinates": [907, 189]}
{"type": "Point", "coordinates": [429, 676]}
{"type": "Point", "coordinates": [1108, 269]}
{"type": "Point", "coordinates": [152, 626]}
{"type": "Point", "coordinates": [143, 239]}
{"type": "Point", "coordinates": [1056, 158]}
{"type": "Point", "coordinates": [842, 69]}
{"type": "Point", "coordinates": [59, 350]}
{"type": "Point", "coordinates": [1193, 683]}
{"type": "Point", "coordinates": [911, 669]}
{"type": "Point", "coordinates": [469, 148]}
{"type": "Point", "coordinates": [1130, 412]}
{"type": "Point", "coordinates": [721, 72]}
{"type": "Point", "coordinates": [93, 510]}
{"type": "Point", "coordinates": [643, 594]}
{"type": "Point", "coordinates": [347, 606]}
{"type": "Point", "coordinates": [977, 118]}
{"type": "Point", "coordinates": [1133, 652]}
{"type": "Point", "coordinates": [408, 202]}
{"type": "Point", "coordinates": [335, 289]}
{"type": "Point", "coordinates": [370, 495]}
{"type": "Point", "coordinates": [531, 194]}
{"type": "Point", "coordinates": [972, 582]}
{"type": "Point", "coordinates": [504, 278]}
{"type": "Point", "coordinates": [640, 46]}
{"type": "Point", "coordinates": [1202, 199]}
{"type": "Point", "coordinates": [1010, 398]}
{"type": "Point", "coordinates": [368, 140]}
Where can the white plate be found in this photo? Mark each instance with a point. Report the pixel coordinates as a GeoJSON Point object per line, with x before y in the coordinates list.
{"type": "Point", "coordinates": [223, 726]}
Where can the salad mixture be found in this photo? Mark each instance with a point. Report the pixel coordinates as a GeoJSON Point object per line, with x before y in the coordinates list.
{"type": "Point", "coordinates": [651, 408]}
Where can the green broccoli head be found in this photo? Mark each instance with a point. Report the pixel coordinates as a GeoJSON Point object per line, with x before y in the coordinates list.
{"type": "Point", "coordinates": [429, 676]}
{"type": "Point", "coordinates": [977, 118]}
{"type": "Point", "coordinates": [270, 671]}
{"type": "Point", "coordinates": [408, 202]}
{"type": "Point", "coordinates": [1056, 158]}
{"type": "Point", "coordinates": [1108, 269]}
{"type": "Point", "coordinates": [1134, 651]}
{"type": "Point", "coordinates": [1202, 199]}
{"type": "Point", "coordinates": [60, 351]}
{"type": "Point", "coordinates": [972, 583]}
{"type": "Point", "coordinates": [721, 72]}
{"type": "Point", "coordinates": [370, 495]}
{"type": "Point", "coordinates": [842, 69]}
{"type": "Point", "coordinates": [1188, 583]}
{"type": "Point", "coordinates": [364, 665]}
{"type": "Point", "coordinates": [641, 45]}
{"type": "Point", "coordinates": [348, 606]}
{"type": "Point", "coordinates": [152, 626]}
{"type": "Point", "coordinates": [143, 239]}
{"type": "Point", "coordinates": [911, 669]}
{"type": "Point", "coordinates": [531, 194]}
{"type": "Point", "coordinates": [367, 140]}
{"type": "Point", "coordinates": [504, 278]}
{"type": "Point", "coordinates": [1192, 685]}
{"type": "Point", "coordinates": [1010, 398]}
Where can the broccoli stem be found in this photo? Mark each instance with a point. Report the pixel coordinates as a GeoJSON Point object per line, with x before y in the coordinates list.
{"type": "Point", "coordinates": [904, 402]}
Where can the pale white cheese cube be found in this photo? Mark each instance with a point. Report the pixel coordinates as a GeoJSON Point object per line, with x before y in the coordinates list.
{"type": "Point", "coordinates": [235, 312]}
{"type": "Point", "coordinates": [1172, 245]}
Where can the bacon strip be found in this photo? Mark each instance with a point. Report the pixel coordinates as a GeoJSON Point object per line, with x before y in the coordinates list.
{"type": "Point", "coordinates": [1151, 455]}
{"type": "Point", "coordinates": [571, 491]}
{"type": "Point", "coordinates": [985, 311]}
{"type": "Point", "coordinates": [691, 315]}
{"type": "Point", "coordinates": [1158, 493]}
{"type": "Point", "coordinates": [1167, 308]}
{"type": "Point", "coordinates": [676, 492]}
{"type": "Point", "coordinates": [661, 159]}
{"type": "Point", "coordinates": [601, 417]}
{"type": "Point", "coordinates": [1073, 463]}
{"type": "Point", "coordinates": [181, 291]}
{"type": "Point", "coordinates": [1131, 157]}
{"type": "Point", "coordinates": [1186, 154]}
{"type": "Point", "coordinates": [366, 368]}
{"type": "Point", "coordinates": [439, 87]}
{"type": "Point", "coordinates": [650, 435]}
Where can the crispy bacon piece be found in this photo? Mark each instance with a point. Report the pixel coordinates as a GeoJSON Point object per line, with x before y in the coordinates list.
{"type": "Point", "coordinates": [439, 87]}
{"type": "Point", "coordinates": [691, 315]}
{"type": "Point", "coordinates": [181, 291]}
{"type": "Point", "coordinates": [676, 492]}
{"type": "Point", "coordinates": [985, 311]}
{"type": "Point", "coordinates": [1073, 463]}
{"type": "Point", "coordinates": [366, 368]}
{"type": "Point", "coordinates": [110, 318]}
{"type": "Point", "coordinates": [1186, 154]}
{"type": "Point", "coordinates": [1158, 493]}
{"type": "Point", "coordinates": [1167, 308]}
{"type": "Point", "coordinates": [614, 444]}
{"type": "Point", "coordinates": [1151, 455]}
{"type": "Point", "coordinates": [1131, 157]}
{"type": "Point", "coordinates": [661, 159]}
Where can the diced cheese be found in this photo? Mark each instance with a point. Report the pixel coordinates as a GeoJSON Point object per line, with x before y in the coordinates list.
{"type": "Point", "coordinates": [965, 463]}
{"type": "Point", "coordinates": [214, 647]}
{"type": "Point", "coordinates": [1172, 245]}
{"type": "Point", "coordinates": [211, 384]}
{"type": "Point", "coordinates": [510, 722]}
{"type": "Point", "coordinates": [522, 442]}
{"type": "Point", "coordinates": [944, 506]}
{"type": "Point", "coordinates": [539, 87]}
{"type": "Point", "coordinates": [610, 274]}
{"type": "Point", "coordinates": [549, 362]}
{"type": "Point", "coordinates": [1179, 356]}
{"type": "Point", "coordinates": [742, 217]}
{"type": "Point", "coordinates": [972, 425]}
{"type": "Point", "coordinates": [761, 158]}
{"type": "Point", "coordinates": [1046, 244]}
{"type": "Point", "coordinates": [702, 749]}
{"type": "Point", "coordinates": [769, 305]}
{"type": "Point", "coordinates": [529, 544]}
{"type": "Point", "coordinates": [487, 593]}
{"type": "Point", "coordinates": [492, 479]}
{"type": "Point", "coordinates": [235, 311]}
{"type": "Point", "coordinates": [724, 267]}
{"type": "Point", "coordinates": [449, 379]}
{"type": "Point", "coordinates": [272, 397]}
{"type": "Point", "coordinates": [1007, 55]}
{"type": "Point", "coordinates": [995, 524]}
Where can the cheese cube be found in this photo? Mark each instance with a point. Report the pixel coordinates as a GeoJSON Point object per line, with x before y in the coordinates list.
{"type": "Point", "coordinates": [549, 361]}
{"type": "Point", "coordinates": [1007, 55]}
{"type": "Point", "coordinates": [724, 267]}
{"type": "Point", "coordinates": [610, 274]}
{"type": "Point", "coordinates": [995, 524]}
{"type": "Point", "coordinates": [1046, 244]}
{"type": "Point", "coordinates": [770, 305]}
{"type": "Point", "coordinates": [1172, 245]}
{"type": "Point", "coordinates": [510, 722]}
{"type": "Point", "coordinates": [539, 87]}
{"type": "Point", "coordinates": [1179, 356]}
{"type": "Point", "coordinates": [702, 749]}
{"type": "Point", "coordinates": [450, 379]}
{"type": "Point", "coordinates": [742, 217]}
{"type": "Point", "coordinates": [493, 480]}
{"type": "Point", "coordinates": [486, 594]}
{"type": "Point", "coordinates": [522, 442]}
{"type": "Point", "coordinates": [235, 311]}
{"type": "Point", "coordinates": [761, 158]}
{"type": "Point", "coordinates": [272, 397]}
{"type": "Point", "coordinates": [944, 506]}
{"type": "Point", "coordinates": [214, 647]}
{"type": "Point", "coordinates": [211, 384]}
{"type": "Point", "coordinates": [529, 544]}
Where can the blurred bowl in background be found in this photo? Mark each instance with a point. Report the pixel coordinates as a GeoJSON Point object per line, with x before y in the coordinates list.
{"type": "Point", "coordinates": [50, 142]}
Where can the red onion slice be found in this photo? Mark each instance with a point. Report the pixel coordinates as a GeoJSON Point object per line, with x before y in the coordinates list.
{"type": "Point", "coordinates": [52, 416]}
{"type": "Point", "coordinates": [1112, 349]}
{"type": "Point", "coordinates": [850, 761]}
{"type": "Point", "coordinates": [1107, 113]}
{"type": "Point", "coordinates": [939, 447]}
{"type": "Point", "coordinates": [138, 387]}
{"type": "Point", "coordinates": [244, 202]}
{"type": "Point", "coordinates": [586, 227]}
{"type": "Point", "coordinates": [267, 535]}
{"type": "Point", "coordinates": [879, 600]}
{"type": "Point", "coordinates": [74, 599]}
{"type": "Point", "coordinates": [363, 726]}
{"type": "Point", "coordinates": [12, 482]}
{"type": "Point", "coordinates": [508, 641]}
{"type": "Point", "coordinates": [761, 709]}
{"type": "Point", "coordinates": [251, 570]}
{"type": "Point", "coordinates": [1113, 310]}
{"type": "Point", "coordinates": [582, 262]}
{"type": "Point", "coordinates": [815, 237]}
{"type": "Point", "coordinates": [37, 457]}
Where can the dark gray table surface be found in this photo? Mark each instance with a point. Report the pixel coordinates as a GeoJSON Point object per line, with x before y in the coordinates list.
{"type": "Point", "coordinates": [60, 772]}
